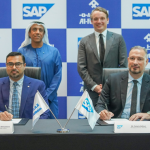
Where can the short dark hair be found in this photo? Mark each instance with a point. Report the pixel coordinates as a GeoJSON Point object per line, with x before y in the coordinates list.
{"type": "Point", "coordinates": [15, 54]}
{"type": "Point", "coordinates": [101, 9]}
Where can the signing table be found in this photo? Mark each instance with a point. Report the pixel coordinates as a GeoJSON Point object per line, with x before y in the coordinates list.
{"type": "Point", "coordinates": [80, 137]}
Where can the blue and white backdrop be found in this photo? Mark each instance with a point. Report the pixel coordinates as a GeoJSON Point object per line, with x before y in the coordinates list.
{"type": "Point", "coordinates": [67, 22]}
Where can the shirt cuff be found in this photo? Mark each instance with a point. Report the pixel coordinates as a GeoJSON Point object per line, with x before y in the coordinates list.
{"type": "Point", "coordinates": [93, 87]}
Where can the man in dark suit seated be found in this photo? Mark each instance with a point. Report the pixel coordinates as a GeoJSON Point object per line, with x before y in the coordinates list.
{"type": "Point", "coordinates": [17, 91]}
{"type": "Point", "coordinates": [101, 49]}
{"type": "Point", "coordinates": [127, 94]}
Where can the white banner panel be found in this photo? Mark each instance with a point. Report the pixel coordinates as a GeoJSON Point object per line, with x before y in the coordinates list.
{"type": "Point", "coordinates": [135, 14]}
{"type": "Point", "coordinates": [62, 90]}
{"type": "Point", "coordinates": [51, 12]}
{"type": "Point", "coordinates": [5, 43]}
{"type": "Point", "coordinates": [71, 103]}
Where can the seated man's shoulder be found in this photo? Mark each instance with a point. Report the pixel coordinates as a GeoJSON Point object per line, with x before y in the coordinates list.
{"type": "Point", "coordinates": [3, 79]}
{"type": "Point", "coordinates": [36, 81]}
{"type": "Point", "coordinates": [147, 76]}
{"type": "Point", "coordinates": [118, 75]}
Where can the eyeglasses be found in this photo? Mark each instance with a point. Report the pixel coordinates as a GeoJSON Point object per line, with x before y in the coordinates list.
{"type": "Point", "coordinates": [18, 64]}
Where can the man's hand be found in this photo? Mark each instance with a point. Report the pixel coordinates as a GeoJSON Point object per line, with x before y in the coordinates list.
{"type": "Point", "coordinates": [5, 116]}
{"type": "Point", "coordinates": [140, 116]}
{"type": "Point", "coordinates": [98, 89]}
{"type": "Point", "coordinates": [106, 115]}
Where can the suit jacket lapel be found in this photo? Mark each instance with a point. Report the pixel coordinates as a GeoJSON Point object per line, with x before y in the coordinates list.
{"type": "Point", "coordinates": [92, 42]}
{"type": "Point", "coordinates": [144, 90]}
{"type": "Point", "coordinates": [124, 85]}
{"type": "Point", "coordinates": [6, 91]}
{"type": "Point", "coordinates": [109, 41]}
{"type": "Point", "coordinates": [25, 92]}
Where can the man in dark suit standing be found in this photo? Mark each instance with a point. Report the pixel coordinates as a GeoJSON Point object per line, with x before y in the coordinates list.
{"type": "Point", "coordinates": [17, 91]}
{"type": "Point", "coordinates": [127, 94]}
{"type": "Point", "coordinates": [101, 49]}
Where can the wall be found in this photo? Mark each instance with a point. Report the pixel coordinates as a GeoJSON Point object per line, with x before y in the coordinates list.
{"type": "Point", "coordinates": [67, 22]}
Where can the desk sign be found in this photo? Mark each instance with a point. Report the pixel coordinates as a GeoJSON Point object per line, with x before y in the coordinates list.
{"type": "Point", "coordinates": [132, 127]}
{"type": "Point", "coordinates": [6, 127]}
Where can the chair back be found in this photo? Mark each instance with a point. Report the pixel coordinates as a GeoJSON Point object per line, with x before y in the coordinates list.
{"type": "Point", "coordinates": [108, 71]}
{"type": "Point", "coordinates": [33, 72]}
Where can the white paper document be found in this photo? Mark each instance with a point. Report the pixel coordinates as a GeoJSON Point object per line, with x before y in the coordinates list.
{"type": "Point", "coordinates": [16, 121]}
{"type": "Point", "coordinates": [112, 121]}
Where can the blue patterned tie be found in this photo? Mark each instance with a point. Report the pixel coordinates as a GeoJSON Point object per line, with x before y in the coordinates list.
{"type": "Point", "coordinates": [15, 102]}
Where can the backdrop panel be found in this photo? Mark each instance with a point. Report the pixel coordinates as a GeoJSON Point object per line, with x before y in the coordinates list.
{"type": "Point", "coordinates": [68, 21]}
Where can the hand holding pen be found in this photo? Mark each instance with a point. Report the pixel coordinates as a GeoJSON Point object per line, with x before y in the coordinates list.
{"type": "Point", "coordinates": [6, 116]}
{"type": "Point", "coordinates": [106, 115]}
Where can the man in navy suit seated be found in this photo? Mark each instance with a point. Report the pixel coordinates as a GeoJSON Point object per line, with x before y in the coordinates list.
{"type": "Point", "coordinates": [17, 91]}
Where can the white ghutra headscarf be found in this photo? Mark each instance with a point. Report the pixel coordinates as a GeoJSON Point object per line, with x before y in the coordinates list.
{"type": "Point", "coordinates": [27, 40]}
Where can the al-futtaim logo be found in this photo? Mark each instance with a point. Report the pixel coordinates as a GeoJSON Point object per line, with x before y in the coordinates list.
{"type": "Point", "coordinates": [35, 11]}
{"type": "Point", "coordinates": [93, 4]}
{"type": "Point", "coordinates": [141, 11]}
{"type": "Point", "coordinates": [85, 17]}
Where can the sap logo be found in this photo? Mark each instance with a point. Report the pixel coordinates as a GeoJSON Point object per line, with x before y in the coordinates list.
{"type": "Point", "coordinates": [141, 11]}
{"type": "Point", "coordinates": [86, 104]}
{"type": "Point", "coordinates": [119, 126]}
{"type": "Point", "coordinates": [79, 39]}
{"type": "Point", "coordinates": [36, 106]}
{"type": "Point", "coordinates": [35, 11]}
{"type": "Point", "coordinates": [80, 116]}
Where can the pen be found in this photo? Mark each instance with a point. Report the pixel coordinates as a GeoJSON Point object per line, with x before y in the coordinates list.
{"type": "Point", "coordinates": [6, 108]}
{"type": "Point", "coordinates": [105, 105]}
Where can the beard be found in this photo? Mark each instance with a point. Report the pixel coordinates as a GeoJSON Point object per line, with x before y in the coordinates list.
{"type": "Point", "coordinates": [14, 76]}
{"type": "Point", "coordinates": [134, 71]}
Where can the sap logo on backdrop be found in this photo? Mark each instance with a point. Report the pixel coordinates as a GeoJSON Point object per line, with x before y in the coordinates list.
{"type": "Point", "coordinates": [35, 11]}
{"type": "Point", "coordinates": [79, 39]}
{"type": "Point", "coordinates": [93, 3]}
{"type": "Point", "coordinates": [141, 11]}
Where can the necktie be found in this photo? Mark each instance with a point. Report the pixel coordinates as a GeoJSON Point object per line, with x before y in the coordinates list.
{"type": "Point", "coordinates": [134, 98]}
{"type": "Point", "coordinates": [101, 49]}
{"type": "Point", "coordinates": [15, 102]}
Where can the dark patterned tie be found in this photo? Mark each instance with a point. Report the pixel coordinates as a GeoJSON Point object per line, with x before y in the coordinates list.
{"type": "Point", "coordinates": [15, 102]}
{"type": "Point", "coordinates": [101, 49]}
{"type": "Point", "coordinates": [134, 98]}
